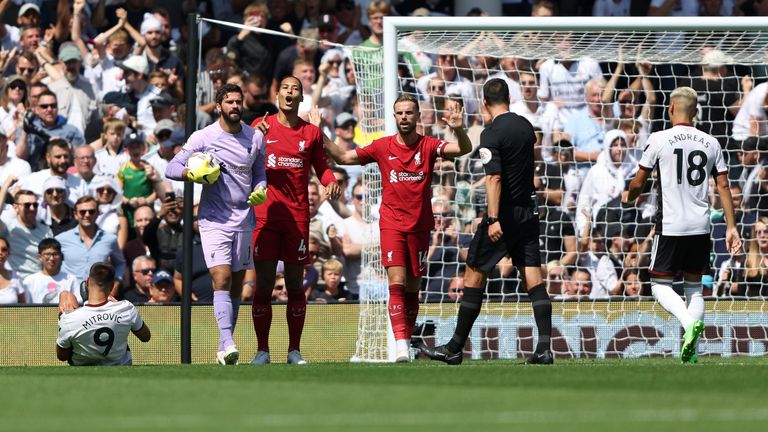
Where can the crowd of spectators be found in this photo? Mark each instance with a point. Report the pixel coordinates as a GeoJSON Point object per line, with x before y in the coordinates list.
{"type": "Point", "coordinates": [91, 112]}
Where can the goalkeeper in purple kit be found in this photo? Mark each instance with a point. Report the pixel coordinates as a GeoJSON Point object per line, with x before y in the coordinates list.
{"type": "Point", "coordinates": [233, 179]}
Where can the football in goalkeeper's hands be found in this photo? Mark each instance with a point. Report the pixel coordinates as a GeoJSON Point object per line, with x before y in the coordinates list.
{"type": "Point", "coordinates": [203, 168]}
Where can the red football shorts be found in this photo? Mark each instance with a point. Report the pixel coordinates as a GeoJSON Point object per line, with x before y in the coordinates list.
{"type": "Point", "coordinates": [283, 240]}
{"type": "Point", "coordinates": [407, 249]}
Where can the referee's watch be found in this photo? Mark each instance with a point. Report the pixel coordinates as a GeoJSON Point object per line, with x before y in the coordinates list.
{"type": "Point", "coordinates": [490, 220]}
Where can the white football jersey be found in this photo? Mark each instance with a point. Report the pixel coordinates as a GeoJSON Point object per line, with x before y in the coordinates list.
{"type": "Point", "coordinates": [686, 159]}
{"type": "Point", "coordinates": [98, 334]}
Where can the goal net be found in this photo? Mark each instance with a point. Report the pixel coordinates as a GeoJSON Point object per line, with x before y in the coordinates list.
{"type": "Point", "coordinates": [585, 84]}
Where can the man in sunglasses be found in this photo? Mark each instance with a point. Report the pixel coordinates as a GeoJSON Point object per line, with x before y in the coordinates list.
{"type": "Point", "coordinates": [144, 268]}
{"type": "Point", "coordinates": [87, 244]}
{"type": "Point", "coordinates": [31, 140]}
{"type": "Point", "coordinates": [54, 211]}
{"type": "Point", "coordinates": [25, 233]}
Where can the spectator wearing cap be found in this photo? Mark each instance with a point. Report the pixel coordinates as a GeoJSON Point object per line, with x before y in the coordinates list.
{"type": "Point", "coordinates": [11, 166]}
{"type": "Point", "coordinates": [143, 270]}
{"type": "Point", "coordinates": [328, 30]}
{"type": "Point", "coordinates": [28, 15]}
{"type": "Point", "coordinates": [351, 30]}
{"type": "Point", "coordinates": [305, 49]}
{"type": "Point", "coordinates": [87, 244]}
{"type": "Point", "coordinates": [161, 290]}
{"type": "Point", "coordinates": [158, 56]}
{"type": "Point", "coordinates": [44, 286]}
{"type": "Point", "coordinates": [32, 138]}
{"type": "Point", "coordinates": [75, 94]}
{"type": "Point", "coordinates": [14, 97]}
{"type": "Point", "coordinates": [163, 108]}
{"type": "Point", "coordinates": [25, 233]}
{"type": "Point", "coordinates": [252, 50]}
{"type": "Point", "coordinates": [170, 139]}
{"type": "Point", "coordinates": [55, 210]}
{"type": "Point", "coordinates": [58, 158]}
{"type": "Point", "coordinates": [719, 97]}
{"type": "Point", "coordinates": [111, 219]}
{"type": "Point", "coordinates": [138, 88]}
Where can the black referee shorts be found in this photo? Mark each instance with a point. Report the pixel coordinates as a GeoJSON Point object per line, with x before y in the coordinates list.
{"type": "Point", "coordinates": [520, 241]}
{"type": "Point", "coordinates": [674, 254]}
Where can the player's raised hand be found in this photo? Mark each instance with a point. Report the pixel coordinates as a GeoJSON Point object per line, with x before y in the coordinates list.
{"type": "Point", "coordinates": [455, 119]}
{"type": "Point", "coordinates": [314, 116]}
{"type": "Point", "coordinates": [263, 126]}
{"type": "Point", "coordinates": [733, 241]}
{"type": "Point", "coordinates": [333, 190]}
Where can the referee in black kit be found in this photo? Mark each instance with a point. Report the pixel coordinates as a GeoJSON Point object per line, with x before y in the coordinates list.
{"type": "Point", "coordinates": [511, 226]}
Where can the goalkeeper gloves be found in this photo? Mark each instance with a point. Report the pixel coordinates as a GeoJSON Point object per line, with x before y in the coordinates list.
{"type": "Point", "coordinates": [206, 173]}
{"type": "Point", "coordinates": [257, 197]}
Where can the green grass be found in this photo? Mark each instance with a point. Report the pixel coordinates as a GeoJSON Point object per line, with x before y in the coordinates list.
{"type": "Point", "coordinates": [574, 395]}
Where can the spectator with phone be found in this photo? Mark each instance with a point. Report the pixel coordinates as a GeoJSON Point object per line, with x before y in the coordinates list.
{"type": "Point", "coordinates": [162, 235]}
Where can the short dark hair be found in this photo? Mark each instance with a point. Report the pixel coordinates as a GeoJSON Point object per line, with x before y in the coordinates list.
{"type": "Point", "coordinates": [57, 143]}
{"type": "Point", "coordinates": [48, 92]}
{"type": "Point", "coordinates": [496, 92]}
{"type": "Point", "coordinates": [103, 275]}
{"type": "Point", "coordinates": [48, 243]}
{"type": "Point", "coordinates": [405, 97]}
{"type": "Point", "coordinates": [23, 192]}
{"type": "Point", "coordinates": [301, 86]}
{"type": "Point", "coordinates": [222, 92]}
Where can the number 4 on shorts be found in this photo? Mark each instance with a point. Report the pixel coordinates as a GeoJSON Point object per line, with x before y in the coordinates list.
{"type": "Point", "coordinates": [302, 247]}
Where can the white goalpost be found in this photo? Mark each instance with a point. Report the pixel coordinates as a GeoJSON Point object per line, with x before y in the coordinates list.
{"type": "Point", "coordinates": [644, 58]}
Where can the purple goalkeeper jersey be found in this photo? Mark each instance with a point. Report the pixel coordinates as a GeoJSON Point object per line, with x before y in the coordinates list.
{"type": "Point", "coordinates": [224, 204]}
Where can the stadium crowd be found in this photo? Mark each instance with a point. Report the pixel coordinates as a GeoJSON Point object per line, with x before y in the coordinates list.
{"type": "Point", "coordinates": [92, 111]}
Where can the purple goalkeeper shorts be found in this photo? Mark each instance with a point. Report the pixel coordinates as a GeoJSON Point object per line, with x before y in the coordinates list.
{"type": "Point", "coordinates": [227, 248]}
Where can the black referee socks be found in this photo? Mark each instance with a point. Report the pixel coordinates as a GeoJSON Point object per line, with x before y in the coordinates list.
{"type": "Point", "coordinates": [471, 302]}
{"type": "Point", "coordinates": [542, 312]}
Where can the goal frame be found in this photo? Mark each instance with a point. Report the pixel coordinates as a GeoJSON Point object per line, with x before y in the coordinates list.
{"type": "Point", "coordinates": [392, 25]}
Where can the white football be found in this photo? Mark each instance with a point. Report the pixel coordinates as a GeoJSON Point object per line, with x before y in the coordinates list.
{"type": "Point", "coordinates": [197, 160]}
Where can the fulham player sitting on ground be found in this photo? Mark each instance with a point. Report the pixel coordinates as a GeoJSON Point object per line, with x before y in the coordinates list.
{"type": "Point", "coordinates": [97, 333]}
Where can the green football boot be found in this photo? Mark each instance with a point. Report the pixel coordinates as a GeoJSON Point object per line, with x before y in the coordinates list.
{"type": "Point", "coordinates": [692, 334]}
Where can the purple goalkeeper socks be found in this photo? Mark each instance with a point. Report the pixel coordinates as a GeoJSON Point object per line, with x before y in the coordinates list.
{"type": "Point", "coordinates": [222, 309]}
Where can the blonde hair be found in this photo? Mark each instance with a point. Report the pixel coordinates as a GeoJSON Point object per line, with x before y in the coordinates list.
{"type": "Point", "coordinates": [113, 124]}
{"type": "Point", "coordinates": [378, 7]}
{"type": "Point", "coordinates": [754, 261]}
{"type": "Point", "coordinates": [685, 98]}
{"type": "Point", "coordinates": [333, 265]}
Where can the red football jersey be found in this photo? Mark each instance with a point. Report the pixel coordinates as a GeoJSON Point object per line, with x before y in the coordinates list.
{"type": "Point", "coordinates": [406, 180]}
{"type": "Point", "coordinates": [289, 153]}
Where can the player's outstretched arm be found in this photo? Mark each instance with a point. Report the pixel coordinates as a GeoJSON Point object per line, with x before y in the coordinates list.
{"type": "Point", "coordinates": [339, 155]}
{"type": "Point", "coordinates": [455, 121]}
{"type": "Point", "coordinates": [732, 239]}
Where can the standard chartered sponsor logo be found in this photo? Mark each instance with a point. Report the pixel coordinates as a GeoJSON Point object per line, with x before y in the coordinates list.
{"type": "Point", "coordinates": [271, 160]}
{"type": "Point", "coordinates": [393, 176]}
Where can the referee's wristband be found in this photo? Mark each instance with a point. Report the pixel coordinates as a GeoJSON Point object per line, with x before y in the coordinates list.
{"type": "Point", "coordinates": [490, 220]}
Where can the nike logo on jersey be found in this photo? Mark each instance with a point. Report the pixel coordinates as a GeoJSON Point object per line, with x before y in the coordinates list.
{"type": "Point", "coordinates": [302, 258]}
{"type": "Point", "coordinates": [269, 141]}
{"type": "Point", "coordinates": [392, 157]}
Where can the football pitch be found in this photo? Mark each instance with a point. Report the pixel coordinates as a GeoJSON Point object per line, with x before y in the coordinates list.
{"type": "Point", "coordinates": [574, 395]}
